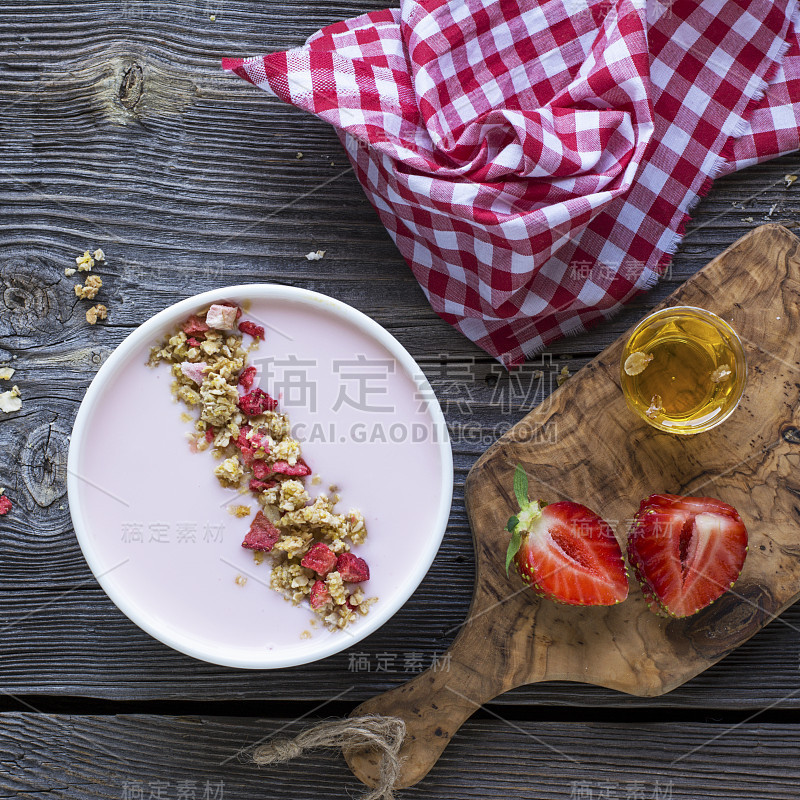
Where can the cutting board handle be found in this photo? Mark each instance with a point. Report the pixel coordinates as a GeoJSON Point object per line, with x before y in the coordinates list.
{"type": "Point", "coordinates": [435, 703]}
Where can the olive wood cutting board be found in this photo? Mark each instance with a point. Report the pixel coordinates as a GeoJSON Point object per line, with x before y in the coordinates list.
{"type": "Point", "coordinates": [584, 444]}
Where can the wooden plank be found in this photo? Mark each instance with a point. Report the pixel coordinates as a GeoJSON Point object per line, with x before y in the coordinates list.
{"type": "Point", "coordinates": [194, 185]}
{"type": "Point", "coordinates": [120, 756]}
{"type": "Point", "coordinates": [81, 645]}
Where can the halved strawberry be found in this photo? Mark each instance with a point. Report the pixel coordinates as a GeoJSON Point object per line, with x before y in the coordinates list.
{"type": "Point", "coordinates": [565, 551]}
{"type": "Point", "coordinates": [686, 551]}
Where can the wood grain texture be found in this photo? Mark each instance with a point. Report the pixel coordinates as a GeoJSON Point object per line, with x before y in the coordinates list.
{"type": "Point", "coordinates": [102, 758]}
{"type": "Point", "coordinates": [584, 445]}
{"type": "Point", "coordinates": [192, 183]}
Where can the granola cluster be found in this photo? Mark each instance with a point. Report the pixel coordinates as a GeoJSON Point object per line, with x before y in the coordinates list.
{"type": "Point", "coordinates": [91, 286]}
{"type": "Point", "coordinates": [308, 541]}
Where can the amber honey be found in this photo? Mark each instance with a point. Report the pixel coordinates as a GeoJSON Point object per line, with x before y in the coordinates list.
{"type": "Point", "coordinates": [683, 370]}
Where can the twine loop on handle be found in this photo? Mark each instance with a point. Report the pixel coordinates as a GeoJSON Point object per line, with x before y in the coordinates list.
{"type": "Point", "coordinates": [371, 731]}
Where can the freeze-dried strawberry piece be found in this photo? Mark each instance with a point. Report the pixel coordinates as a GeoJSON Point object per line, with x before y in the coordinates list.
{"type": "Point", "coordinates": [5, 505]}
{"type": "Point", "coordinates": [252, 439]}
{"type": "Point", "coordinates": [261, 470]}
{"type": "Point", "coordinates": [245, 445]}
{"type": "Point", "coordinates": [193, 342]}
{"type": "Point", "coordinates": [319, 596]}
{"type": "Point", "coordinates": [209, 435]}
{"type": "Point", "coordinates": [262, 534]}
{"type": "Point", "coordinates": [352, 568]}
{"type": "Point", "coordinates": [320, 558]}
{"type": "Point", "coordinates": [248, 454]}
{"type": "Point", "coordinates": [241, 439]}
{"type": "Point", "coordinates": [259, 486]}
{"type": "Point", "coordinates": [221, 316]}
{"type": "Point", "coordinates": [194, 325]}
{"type": "Point", "coordinates": [285, 468]}
{"type": "Point", "coordinates": [256, 402]}
{"type": "Point", "coordinates": [251, 329]}
{"type": "Point", "coordinates": [247, 378]}
{"type": "Point", "coordinates": [194, 370]}
{"type": "Point", "coordinates": [232, 305]}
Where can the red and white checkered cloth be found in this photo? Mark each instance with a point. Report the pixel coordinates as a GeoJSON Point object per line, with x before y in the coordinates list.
{"type": "Point", "coordinates": [536, 162]}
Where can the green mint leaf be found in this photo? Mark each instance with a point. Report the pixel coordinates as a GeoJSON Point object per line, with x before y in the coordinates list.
{"type": "Point", "coordinates": [513, 547]}
{"type": "Point", "coordinates": [521, 486]}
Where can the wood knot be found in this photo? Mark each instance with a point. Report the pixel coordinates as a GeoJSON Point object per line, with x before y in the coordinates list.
{"type": "Point", "coordinates": [44, 463]}
{"type": "Point", "coordinates": [791, 434]}
{"type": "Point", "coordinates": [727, 622]}
{"type": "Point", "coordinates": [131, 86]}
{"type": "Point", "coordinates": [31, 303]}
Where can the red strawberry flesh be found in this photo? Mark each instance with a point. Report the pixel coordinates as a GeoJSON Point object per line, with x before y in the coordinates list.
{"type": "Point", "coordinates": [320, 558]}
{"type": "Point", "coordinates": [571, 555]}
{"type": "Point", "coordinates": [300, 468]}
{"type": "Point", "coordinates": [262, 534]}
{"type": "Point", "coordinates": [256, 402]}
{"type": "Point", "coordinates": [194, 325]}
{"type": "Point", "coordinates": [258, 486]}
{"type": "Point", "coordinates": [686, 551]}
{"type": "Point", "coordinates": [320, 595]}
{"type": "Point", "coordinates": [251, 329]}
{"type": "Point", "coordinates": [352, 568]}
{"type": "Point", "coordinates": [246, 378]}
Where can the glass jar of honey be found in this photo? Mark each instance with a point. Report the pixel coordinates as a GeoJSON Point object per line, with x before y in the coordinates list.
{"type": "Point", "coordinates": [683, 370]}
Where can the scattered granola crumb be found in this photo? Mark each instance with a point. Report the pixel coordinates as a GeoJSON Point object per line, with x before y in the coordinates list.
{"type": "Point", "coordinates": [240, 580]}
{"type": "Point", "coordinates": [721, 372]}
{"type": "Point", "coordinates": [313, 622]}
{"type": "Point", "coordinates": [637, 362]}
{"type": "Point", "coordinates": [91, 287]}
{"type": "Point", "coordinates": [99, 255]}
{"type": "Point", "coordinates": [70, 271]}
{"type": "Point", "coordinates": [95, 313]}
{"type": "Point", "coordinates": [563, 375]}
{"type": "Point", "coordinates": [85, 262]}
{"type": "Point", "coordinates": [10, 401]}
{"type": "Point", "coordinates": [305, 635]}
{"type": "Point", "coordinates": [316, 480]}
{"type": "Point", "coordinates": [747, 219]}
{"type": "Point", "coordinates": [212, 17]}
{"type": "Point", "coordinates": [6, 373]}
{"type": "Point", "coordinates": [186, 417]}
{"type": "Point", "coordinates": [655, 408]}
{"type": "Point", "coordinates": [299, 155]}
{"type": "Point", "coordinates": [5, 505]}
{"type": "Point", "coordinates": [259, 556]}
{"type": "Point", "coordinates": [538, 374]}
{"type": "Point", "coordinates": [315, 255]}
{"type": "Point", "coordinates": [240, 511]}
{"type": "Point", "coordinates": [789, 179]}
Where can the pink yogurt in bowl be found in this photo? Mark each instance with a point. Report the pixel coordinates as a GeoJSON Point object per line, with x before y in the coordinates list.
{"type": "Point", "coordinates": [153, 521]}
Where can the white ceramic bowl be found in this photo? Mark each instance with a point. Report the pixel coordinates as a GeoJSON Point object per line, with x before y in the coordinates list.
{"type": "Point", "coordinates": [401, 553]}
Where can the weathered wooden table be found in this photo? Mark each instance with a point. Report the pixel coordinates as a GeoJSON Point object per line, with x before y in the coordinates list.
{"type": "Point", "coordinates": [118, 130]}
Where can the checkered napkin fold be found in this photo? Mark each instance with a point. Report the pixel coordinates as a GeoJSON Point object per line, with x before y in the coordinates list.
{"type": "Point", "coordinates": [535, 162]}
